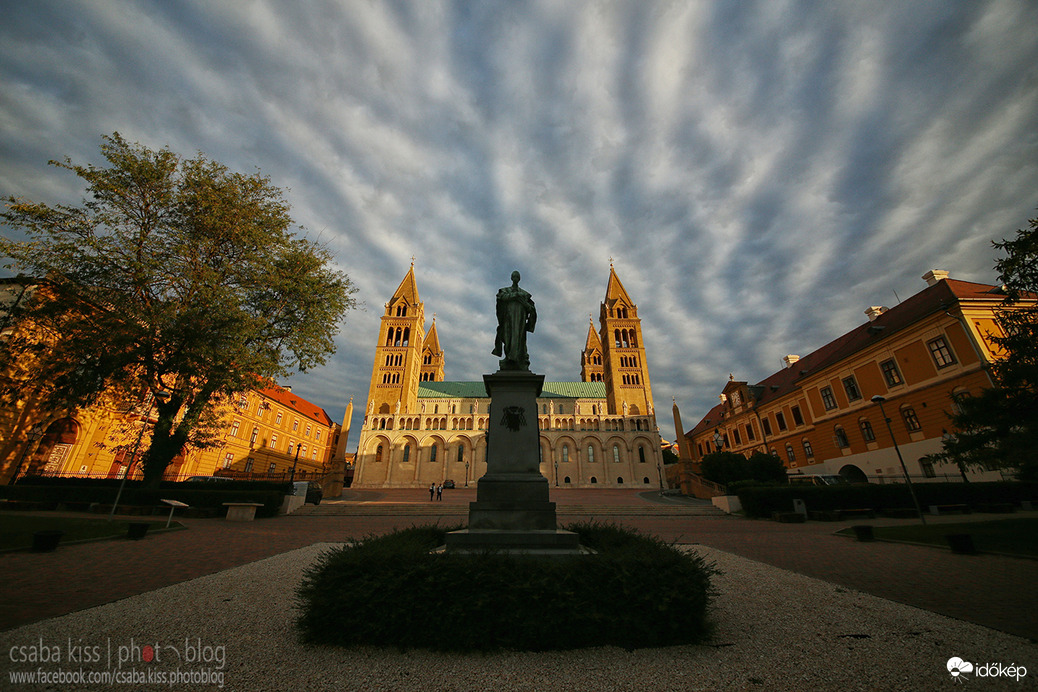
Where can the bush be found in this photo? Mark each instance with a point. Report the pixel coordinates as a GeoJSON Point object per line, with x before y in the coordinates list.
{"type": "Point", "coordinates": [392, 591]}
{"type": "Point", "coordinates": [762, 501]}
{"type": "Point", "coordinates": [53, 491]}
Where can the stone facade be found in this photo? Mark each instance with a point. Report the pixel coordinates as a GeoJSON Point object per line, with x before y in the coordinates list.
{"type": "Point", "coordinates": [419, 429]}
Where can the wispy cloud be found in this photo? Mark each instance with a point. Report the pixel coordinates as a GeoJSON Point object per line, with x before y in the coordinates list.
{"type": "Point", "coordinates": [759, 172]}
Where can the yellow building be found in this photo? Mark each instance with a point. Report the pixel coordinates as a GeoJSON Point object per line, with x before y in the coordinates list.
{"type": "Point", "coordinates": [818, 415]}
{"type": "Point", "coordinates": [263, 433]}
{"type": "Point", "coordinates": [419, 429]}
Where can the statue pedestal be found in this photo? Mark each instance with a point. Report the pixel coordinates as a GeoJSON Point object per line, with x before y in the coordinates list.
{"type": "Point", "coordinates": [512, 512]}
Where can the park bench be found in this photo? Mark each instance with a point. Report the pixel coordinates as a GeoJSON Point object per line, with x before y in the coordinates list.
{"type": "Point", "coordinates": [241, 511]}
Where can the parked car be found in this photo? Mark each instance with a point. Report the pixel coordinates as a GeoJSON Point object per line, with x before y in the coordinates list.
{"type": "Point", "coordinates": [448, 484]}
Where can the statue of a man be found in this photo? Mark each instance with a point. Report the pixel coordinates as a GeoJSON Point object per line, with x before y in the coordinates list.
{"type": "Point", "coordinates": [516, 315]}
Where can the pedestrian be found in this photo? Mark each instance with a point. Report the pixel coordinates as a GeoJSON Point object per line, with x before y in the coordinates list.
{"type": "Point", "coordinates": [432, 489]}
{"type": "Point", "coordinates": [439, 493]}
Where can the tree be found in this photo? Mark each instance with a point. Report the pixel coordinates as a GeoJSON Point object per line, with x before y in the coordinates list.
{"type": "Point", "coordinates": [174, 275]}
{"type": "Point", "coordinates": [724, 467]}
{"type": "Point", "coordinates": [999, 427]}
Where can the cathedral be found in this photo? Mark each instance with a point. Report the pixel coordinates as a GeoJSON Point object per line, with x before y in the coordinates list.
{"type": "Point", "coordinates": [420, 429]}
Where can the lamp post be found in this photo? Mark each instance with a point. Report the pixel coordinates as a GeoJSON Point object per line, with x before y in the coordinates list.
{"type": "Point", "coordinates": [556, 473]}
{"type": "Point", "coordinates": [164, 396]}
{"type": "Point", "coordinates": [292, 475]}
{"type": "Point", "coordinates": [467, 471]}
{"type": "Point", "coordinates": [879, 400]}
{"type": "Point", "coordinates": [34, 434]}
{"type": "Point", "coordinates": [718, 440]}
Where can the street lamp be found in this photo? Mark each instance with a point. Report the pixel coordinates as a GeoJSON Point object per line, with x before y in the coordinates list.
{"type": "Point", "coordinates": [718, 440]}
{"type": "Point", "coordinates": [467, 471]}
{"type": "Point", "coordinates": [292, 475]}
{"type": "Point", "coordinates": [34, 434]}
{"type": "Point", "coordinates": [879, 400]}
{"type": "Point", "coordinates": [163, 396]}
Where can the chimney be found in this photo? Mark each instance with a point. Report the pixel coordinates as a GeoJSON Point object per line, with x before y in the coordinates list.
{"type": "Point", "coordinates": [790, 360]}
{"type": "Point", "coordinates": [934, 275]}
{"type": "Point", "coordinates": [874, 311]}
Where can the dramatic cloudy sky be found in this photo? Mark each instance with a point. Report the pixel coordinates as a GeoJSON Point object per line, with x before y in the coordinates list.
{"type": "Point", "coordinates": [759, 172]}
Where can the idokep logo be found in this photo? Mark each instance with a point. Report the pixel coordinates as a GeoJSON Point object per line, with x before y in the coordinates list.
{"type": "Point", "coordinates": [959, 668]}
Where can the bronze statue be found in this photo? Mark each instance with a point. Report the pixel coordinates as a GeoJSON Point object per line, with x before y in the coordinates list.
{"type": "Point", "coordinates": [516, 315]}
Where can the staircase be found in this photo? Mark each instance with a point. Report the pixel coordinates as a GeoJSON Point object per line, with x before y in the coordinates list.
{"type": "Point", "coordinates": [445, 509]}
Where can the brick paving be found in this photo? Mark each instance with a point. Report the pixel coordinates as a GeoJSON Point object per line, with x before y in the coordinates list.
{"type": "Point", "coordinates": [994, 591]}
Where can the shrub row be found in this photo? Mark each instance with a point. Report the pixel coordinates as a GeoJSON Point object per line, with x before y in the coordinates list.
{"type": "Point", "coordinates": [763, 501]}
{"type": "Point", "coordinates": [195, 494]}
{"type": "Point", "coordinates": [392, 591]}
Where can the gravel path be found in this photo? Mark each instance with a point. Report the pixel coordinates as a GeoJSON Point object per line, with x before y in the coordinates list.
{"type": "Point", "coordinates": [776, 630]}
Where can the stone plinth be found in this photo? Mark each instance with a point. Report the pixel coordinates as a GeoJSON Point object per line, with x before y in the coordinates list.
{"type": "Point", "coordinates": [512, 512]}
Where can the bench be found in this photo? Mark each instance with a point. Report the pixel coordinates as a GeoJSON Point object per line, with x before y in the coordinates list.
{"type": "Point", "coordinates": [937, 510]}
{"type": "Point", "coordinates": [241, 511]}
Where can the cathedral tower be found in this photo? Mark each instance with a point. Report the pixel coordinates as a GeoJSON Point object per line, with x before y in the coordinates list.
{"type": "Point", "coordinates": [432, 356]}
{"type": "Point", "coordinates": [591, 356]}
{"type": "Point", "coordinates": [625, 371]}
{"type": "Point", "coordinates": [398, 356]}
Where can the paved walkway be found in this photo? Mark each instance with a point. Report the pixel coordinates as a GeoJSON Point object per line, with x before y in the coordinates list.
{"type": "Point", "coordinates": [990, 590]}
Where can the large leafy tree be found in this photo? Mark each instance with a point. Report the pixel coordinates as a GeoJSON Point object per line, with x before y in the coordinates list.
{"type": "Point", "coordinates": [174, 275]}
{"type": "Point", "coordinates": [999, 427]}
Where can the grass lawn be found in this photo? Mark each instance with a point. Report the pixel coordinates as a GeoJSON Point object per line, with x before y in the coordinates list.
{"type": "Point", "coordinates": [16, 530]}
{"type": "Point", "coordinates": [1014, 536]}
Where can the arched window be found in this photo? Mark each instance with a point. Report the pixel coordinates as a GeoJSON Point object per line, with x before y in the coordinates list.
{"type": "Point", "coordinates": [866, 430]}
{"type": "Point", "coordinates": [911, 421]}
{"type": "Point", "coordinates": [594, 480]}
{"type": "Point", "coordinates": [841, 437]}
{"type": "Point", "coordinates": [591, 454]}
{"type": "Point", "coordinates": [407, 453]}
{"type": "Point", "coordinates": [565, 454]}
{"type": "Point", "coordinates": [432, 452]}
{"type": "Point", "coordinates": [407, 335]}
{"type": "Point", "coordinates": [808, 451]}
{"type": "Point", "coordinates": [619, 480]}
{"type": "Point", "coordinates": [645, 481]}
{"type": "Point", "coordinates": [641, 454]}
{"type": "Point", "coordinates": [790, 454]}
{"type": "Point", "coordinates": [566, 480]}
{"type": "Point", "coordinates": [616, 453]}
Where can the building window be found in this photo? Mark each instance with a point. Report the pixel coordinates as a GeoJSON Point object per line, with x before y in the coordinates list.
{"type": "Point", "coordinates": [248, 466]}
{"type": "Point", "coordinates": [291, 448]}
{"type": "Point", "coordinates": [749, 432]}
{"type": "Point", "coordinates": [317, 435]}
{"type": "Point", "coordinates": [841, 438]}
{"type": "Point", "coordinates": [252, 438]}
{"type": "Point", "coordinates": [926, 466]}
{"type": "Point", "coordinates": [780, 418]}
{"type": "Point", "coordinates": [273, 441]}
{"type": "Point", "coordinates": [378, 453]}
{"type": "Point", "coordinates": [957, 397]}
{"type": "Point", "coordinates": [590, 454]}
{"type": "Point", "coordinates": [228, 460]}
{"type": "Point", "coordinates": [432, 453]}
{"type": "Point", "coordinates": [565, 454]}
{"type": "Point", "coordinates": [234, 428]}
{"type": "Point", "coordinates": [767, 425]}
{"type": "Point", "coordinates": [942, 355]}
{"type": "Point", "coordinates": [277, 420]}
{"type": "Point", "coordinates": [828, 400]}
{"type": "Point", "coordinates": [850, 385]}
{"type": "Point", "coordinates": [616, 454]}
{"type": "Point", "coordinates": [308, 429]}
{"type": "Point", "coordinates": [735, 433]}
{"type": "Point", "coordinates": [407, 453]}
{"type": "Point", "coordinates": [798, 418]}
{"type": "Point", "coordinates": [867, 432]}
{"type": "Point", "coordinates": [272, 467]}
{"type": "Point", "coordinates": [641, 454]}
{"type": "Point", "coordinates": [461, 452]}
{"type": "Point", "coordinates": [295, 425]}
{"type": "Point", "coordinates": [911, 421]}
{"type": "Point", "coordinates": [790, 454]}
{"type": "Point", "coordinates": [809, 452]}
{"type": "Point", "coordinates": [890, 373]}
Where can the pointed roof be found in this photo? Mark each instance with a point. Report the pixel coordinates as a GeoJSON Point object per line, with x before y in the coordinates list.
{"type": "Point", "coordinates": [593, 340]}
{"type": "Point", "coordinates": [615, 289]}
{"type": "Point", "coordinates": [408, 289]}
{"type": "Point", "coordinates": [432, 339]}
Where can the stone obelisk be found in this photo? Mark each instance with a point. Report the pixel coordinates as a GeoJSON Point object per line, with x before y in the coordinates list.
{"type": "Point", "coordinates": [512, 512]}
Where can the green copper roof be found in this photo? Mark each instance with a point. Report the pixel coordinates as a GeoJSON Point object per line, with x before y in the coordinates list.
{"type": "Point", "coordinates": [476, 390]}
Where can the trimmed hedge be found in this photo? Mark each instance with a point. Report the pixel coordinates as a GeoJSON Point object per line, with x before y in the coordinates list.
{"type": "Point", "coordinates": [54, 491]}
{"type": "Point", "coordinates": [392, 591]}
{"type": "Point", "coordinates": [763, 501]}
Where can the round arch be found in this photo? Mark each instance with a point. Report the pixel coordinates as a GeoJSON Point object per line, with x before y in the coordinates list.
{"type": "Point", "coordinates": [853, 474]}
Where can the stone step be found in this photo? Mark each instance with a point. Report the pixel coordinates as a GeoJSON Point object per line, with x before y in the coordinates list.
{"type": "Point", "coordinates": [440, 509]}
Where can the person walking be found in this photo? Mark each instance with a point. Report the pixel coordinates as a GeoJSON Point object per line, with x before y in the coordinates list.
{"type": "Point", "coordinates": [432, 490]}
{"type": "Point", "coordinates": [439, 493]}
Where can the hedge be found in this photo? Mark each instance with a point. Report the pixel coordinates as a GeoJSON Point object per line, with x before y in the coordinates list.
{"type": "Point", "coordinates": [763, 501]}
{"type": "Point", "coordinates": [53, 491]}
